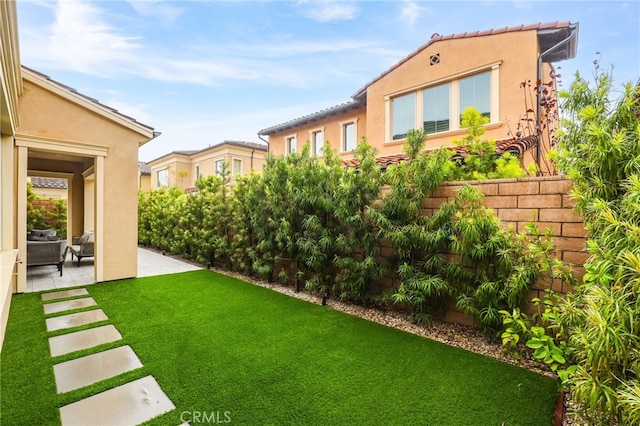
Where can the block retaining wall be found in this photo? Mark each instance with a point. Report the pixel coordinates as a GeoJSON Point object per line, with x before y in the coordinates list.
{"type": "Point", "coordinates": [47, 206]}
{"type": "Point", "coordinates": [544, 201]}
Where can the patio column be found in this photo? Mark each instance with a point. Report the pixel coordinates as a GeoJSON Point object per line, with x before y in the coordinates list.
{"type": "Point", "coordinates": [21, 218]}
{"type": "Point", "coordinates": [99, 219]}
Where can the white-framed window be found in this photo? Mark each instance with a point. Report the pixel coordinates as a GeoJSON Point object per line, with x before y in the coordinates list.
{"type": "Point", "coordinates": [291, 144]}
{"type": "Point", "coordinates": [219, 167]}
{"type": "Point", "coordinates": [435, 108]}
{"type": "Point", "coordinates": [475, 91]}
{"type": "Point", "coordinates": [439, 107]}
{"type": "Point", "coordinates": [317, 142]}
{"type": "Point", "coordinates": [163, 178]}
{"type": "Point", "coordinates": [237, 167]}
{"type": "Point", "coordinates": [348, 135]}
{"type": "Point", "coordinates": [403, 115]}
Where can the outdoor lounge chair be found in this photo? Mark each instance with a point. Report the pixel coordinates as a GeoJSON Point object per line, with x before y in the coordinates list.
{"type": "Point", "coordinates": [40, 253]}
{"type": "Point", "coordinates": [83, 246]}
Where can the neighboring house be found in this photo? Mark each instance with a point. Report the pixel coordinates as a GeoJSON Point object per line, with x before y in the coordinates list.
{"type": "Point", "coordinates": [54, 188]}
{"type": "Point", "coordinates": [49, 130]}
{"type": "Point", "coordinates": [432, 86]}
{"type": "Point", "coordinates": [144, 176]}
{"type": "Point", "coordinates": [182, 168]}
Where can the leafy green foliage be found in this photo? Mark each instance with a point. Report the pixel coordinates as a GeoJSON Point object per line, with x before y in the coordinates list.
{"type": "Point", "coordinates": [57, 216]}
{"type": "Point", "coordinates": [481, 161]}
{"type": "Point", "coordinates": [310, 221]}
{"type": "Point", "coordinates": [600, 151]}
{"type": "Point", "coordinates": [516, 330]}
{"type": "Point", "coordinates": [35, 218]}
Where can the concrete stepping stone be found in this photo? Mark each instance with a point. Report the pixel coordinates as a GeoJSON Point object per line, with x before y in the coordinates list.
{"type": "Point", "coordinates": [75, 320]}
{"type": "Point", "coordinates": [67, 343]}
{"type": "Point", "coordinates": [65, 293]}
{"type": "Point", "coordinates": [67, 305]}
{"type": "Point", "coordinates": [130, 404]}
{"type": "Point", "coordinates": [90, 369]}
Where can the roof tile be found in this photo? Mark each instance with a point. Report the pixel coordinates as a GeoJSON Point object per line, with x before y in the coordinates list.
{"type": "Point", "coordinates": [514, 146]}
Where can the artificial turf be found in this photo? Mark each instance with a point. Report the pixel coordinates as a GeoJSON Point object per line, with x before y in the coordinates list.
{"type": "Point", "coordinates": [229, 351]}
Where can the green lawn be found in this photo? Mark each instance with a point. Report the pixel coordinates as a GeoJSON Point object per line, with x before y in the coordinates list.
{"type": "Point", "coordinates": [219, 345]}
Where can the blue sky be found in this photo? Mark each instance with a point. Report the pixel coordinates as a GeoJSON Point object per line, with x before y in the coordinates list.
{"type": "Point", "coordinates": [202, 72]}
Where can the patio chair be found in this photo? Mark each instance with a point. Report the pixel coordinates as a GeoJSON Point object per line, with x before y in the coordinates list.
{"type": "Point", "coordinates": [82, 247]}
{"type": "Point", "coordinates": [41, 253]}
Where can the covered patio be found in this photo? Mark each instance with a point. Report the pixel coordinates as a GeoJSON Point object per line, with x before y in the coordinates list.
{"type": "Point", "coordinates": [150, 264]}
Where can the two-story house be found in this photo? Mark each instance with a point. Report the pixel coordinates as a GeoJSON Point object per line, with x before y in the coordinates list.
{"type": "Point", "coordinates": [496, 71]}
{"type": "Point", "coordinates": [183, 168]}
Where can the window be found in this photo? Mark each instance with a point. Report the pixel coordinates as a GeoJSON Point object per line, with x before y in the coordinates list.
{"type": "Point", "coordinates": [219, 167]}
{"type": "Point", "coordinates": [163, 178]}
{"type": "Point", "coordinates": [438, 108]}
{"type": "Point", "coordinates": [349, 136]}
{"type": "Point", "coordinates": [197, 172]}
{"type": "Point", "coordinates": [403, 115]}
{"type": "Point", "coordinates": [291, 144]}
{"type": "Point", "coordinates": [317, 142]}
{"type": "Point", "coordinates": [475, 91]}
{"type": "Point", "coordinates": [237, 167]}
{"type": "Point", "coordinates": [435, 108]}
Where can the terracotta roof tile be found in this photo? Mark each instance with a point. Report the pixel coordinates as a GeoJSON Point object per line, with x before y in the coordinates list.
{"type": "Point", "coordinates": [52, 183]}
{"type": "Point", "coordinates": [144, 168]}
{"type": "Point", "coordinates": [514, 146]}
{"type": "Point", "coordinates": [335, 110]}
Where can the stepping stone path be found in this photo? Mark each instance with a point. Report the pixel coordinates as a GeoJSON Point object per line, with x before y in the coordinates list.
{"type": "Point", "coordinates": [132, 403]}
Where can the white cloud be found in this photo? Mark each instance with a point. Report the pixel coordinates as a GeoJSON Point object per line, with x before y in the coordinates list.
{"type": "Point", "coordinates": [159, 10]}
{"type": "Point", "coordinates": [411, 12]}
{"type": "Point", "coordinates": [84, 38]}
{"type": "Point", "coordinates": [80, 39]}
{"type": "Point", "coordinates": [330, 11]}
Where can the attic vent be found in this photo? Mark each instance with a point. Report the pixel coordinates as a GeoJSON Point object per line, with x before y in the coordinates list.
{"type": "Point", "coordinates": [435, 59]}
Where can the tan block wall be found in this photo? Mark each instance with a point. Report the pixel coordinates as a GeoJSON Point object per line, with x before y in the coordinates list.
{"type": "Point", "coordinates": [541, 200]}
{"type": "Point", "coordinates": [47, 206]}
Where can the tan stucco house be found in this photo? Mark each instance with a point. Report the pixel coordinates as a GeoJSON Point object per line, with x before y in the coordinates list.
{"type": "Point", "coordinates": [144, 176]}
{"type": "Point", "coordinates": [432, 86]}
{"type": "Point", "coordinates": [50, 130]}
{"type": "Point", "coordinates": [183, 168]}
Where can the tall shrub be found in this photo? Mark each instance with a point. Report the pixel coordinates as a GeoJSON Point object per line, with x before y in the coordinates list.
{"type": "Point", "coordinates": [600, 151]}
{"type": "Point", "coordinates": [358, 265]}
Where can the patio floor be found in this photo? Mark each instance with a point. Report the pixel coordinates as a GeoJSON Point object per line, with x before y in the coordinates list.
{"type": "Point", "coordinates": [150, 263]}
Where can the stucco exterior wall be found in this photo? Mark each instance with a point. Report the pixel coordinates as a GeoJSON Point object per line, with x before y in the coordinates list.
{"type": "Point", "coordinates": [144, 182]}
{"type": "Point", "coordinates": [512, 55]}
{"type": "Point", "coordinates": [48, 115]}
{"type": "Point", "coordinates": [332, 129]}
{"type": "Point", "coordinates": [184, 169]}
{"type": "Point", "coordinates": [206, 160]}
{"type": "Point", "coordinates": [10, 89]}
{"type": "Point", "coordinates": [510, 58]}
{"type": "Point", "coordinates": [179, 167]}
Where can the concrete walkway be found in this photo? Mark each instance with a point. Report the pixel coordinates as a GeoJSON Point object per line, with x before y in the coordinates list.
{"type": "Point", "coordinates": [150, 264]}
{"type": "Point", "coordinates": [131, 403]}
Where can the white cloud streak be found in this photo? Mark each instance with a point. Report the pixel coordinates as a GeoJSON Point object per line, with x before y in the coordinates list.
{"type": "Point", "coordinates": [330, 11]}
{"type": "Point", "coordinates": [82, 39]}
{"type": "Point", "coordinates": [159, 10]}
